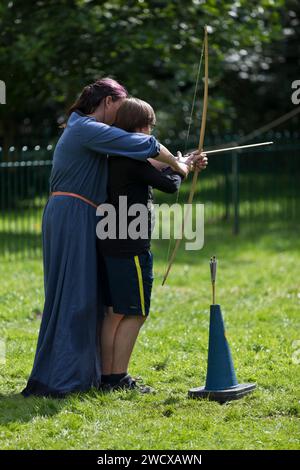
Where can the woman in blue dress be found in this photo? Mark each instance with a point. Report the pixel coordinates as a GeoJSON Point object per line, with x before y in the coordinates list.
{"type": "Point", "coordinates": [67, 356]}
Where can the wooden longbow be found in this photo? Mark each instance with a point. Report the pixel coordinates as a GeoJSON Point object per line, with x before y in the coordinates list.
{"type": "Point", "coordinates": [200, 148]}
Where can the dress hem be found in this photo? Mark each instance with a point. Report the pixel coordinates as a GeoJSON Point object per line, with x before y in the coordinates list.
{"type": "Point", "coordinates": [34, 387]}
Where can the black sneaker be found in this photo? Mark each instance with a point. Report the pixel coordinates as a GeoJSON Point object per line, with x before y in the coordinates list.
{"type": "Point", "coordinates": [105, 387]}
{"type": "Point", "coordinates": [130, 383]}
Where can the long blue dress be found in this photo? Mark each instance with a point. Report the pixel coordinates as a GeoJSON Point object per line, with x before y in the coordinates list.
{"type": "Point", "coordinates": [67, 357]}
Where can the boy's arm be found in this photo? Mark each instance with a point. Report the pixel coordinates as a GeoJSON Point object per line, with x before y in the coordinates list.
{"type": "Point", "coordinates": [166, 180]}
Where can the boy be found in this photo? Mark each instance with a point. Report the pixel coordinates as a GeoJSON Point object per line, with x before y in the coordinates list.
{"type": "Point", "coordinates": [128, 261]}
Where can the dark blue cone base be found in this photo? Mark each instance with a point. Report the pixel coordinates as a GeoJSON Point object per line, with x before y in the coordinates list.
{"type": "Point", "coordinates": [222, 396]}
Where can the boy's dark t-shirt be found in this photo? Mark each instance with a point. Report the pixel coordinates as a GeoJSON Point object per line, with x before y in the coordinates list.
{"type": "Point", "coordinates": [134, 179]}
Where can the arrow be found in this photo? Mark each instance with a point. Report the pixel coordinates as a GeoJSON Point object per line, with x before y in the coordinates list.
{"type": "Point", "coordinates": [238, 147]}
{"type": "Point", "coordinates": [213, 274]}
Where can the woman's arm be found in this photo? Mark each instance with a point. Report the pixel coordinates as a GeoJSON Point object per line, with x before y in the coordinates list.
{"type": "Point", "coordinates": [105, 139]}
{"type": "Point", "coordinates": [158, 165]}
{"type": "Point", "coordinates": [162, 166]}
{"type": "Point", "coordinates": [165, 156]}
{"type": "Point", "coordinates": [114, 141]}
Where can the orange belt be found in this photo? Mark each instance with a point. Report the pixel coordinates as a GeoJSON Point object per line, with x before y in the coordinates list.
{"type": "Point", "coordinates": [62, 193]}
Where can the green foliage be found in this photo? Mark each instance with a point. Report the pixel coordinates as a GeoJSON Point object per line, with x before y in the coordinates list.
{"type": "Point", "coordinates": [49, 50]}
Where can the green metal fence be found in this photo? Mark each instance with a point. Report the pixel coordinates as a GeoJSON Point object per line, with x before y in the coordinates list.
{"type": "Point", "coordinates": [257, 187]}
{"type": "Point", "coordinates": [23, 194]}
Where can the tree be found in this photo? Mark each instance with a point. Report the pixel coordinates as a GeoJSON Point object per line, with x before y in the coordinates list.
{"type": "Point", "coordinates": [51, 49]}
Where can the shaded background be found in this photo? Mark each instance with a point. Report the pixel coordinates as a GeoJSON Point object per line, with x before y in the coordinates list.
{"type": "Point", "coordinates": [49, 50]}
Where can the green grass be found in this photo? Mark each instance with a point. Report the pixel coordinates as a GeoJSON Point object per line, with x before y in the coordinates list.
{"type": "Point", "coordinates": [258, 288]}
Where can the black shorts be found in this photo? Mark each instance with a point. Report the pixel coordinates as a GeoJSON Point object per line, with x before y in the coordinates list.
{"type": "Point", "coordinates": [128, 283]}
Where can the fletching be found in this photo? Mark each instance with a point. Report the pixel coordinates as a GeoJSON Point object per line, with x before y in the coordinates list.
{"type": "Point", "coordinates": [213, 268]}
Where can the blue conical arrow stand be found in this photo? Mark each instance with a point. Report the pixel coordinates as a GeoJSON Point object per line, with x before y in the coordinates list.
{"type": "Point", "coordinates": [221, 382]}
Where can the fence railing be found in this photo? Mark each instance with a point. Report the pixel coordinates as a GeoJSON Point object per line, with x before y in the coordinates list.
{"type": "Point", "coordinates": [24, 189]}
{"type": "Point", "coordinates": [258, 186]}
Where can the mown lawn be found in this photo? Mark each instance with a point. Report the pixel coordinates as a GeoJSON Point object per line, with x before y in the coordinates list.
{"type": "Point", "coordinates": [259, 291]}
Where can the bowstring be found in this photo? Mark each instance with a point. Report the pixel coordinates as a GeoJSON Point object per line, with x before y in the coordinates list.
{"type": "Point", "coordinates": [190, 120]}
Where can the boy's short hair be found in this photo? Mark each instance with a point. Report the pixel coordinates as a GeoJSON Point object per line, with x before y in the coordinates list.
{"type": "Point", "coordinates": [134, 114]}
